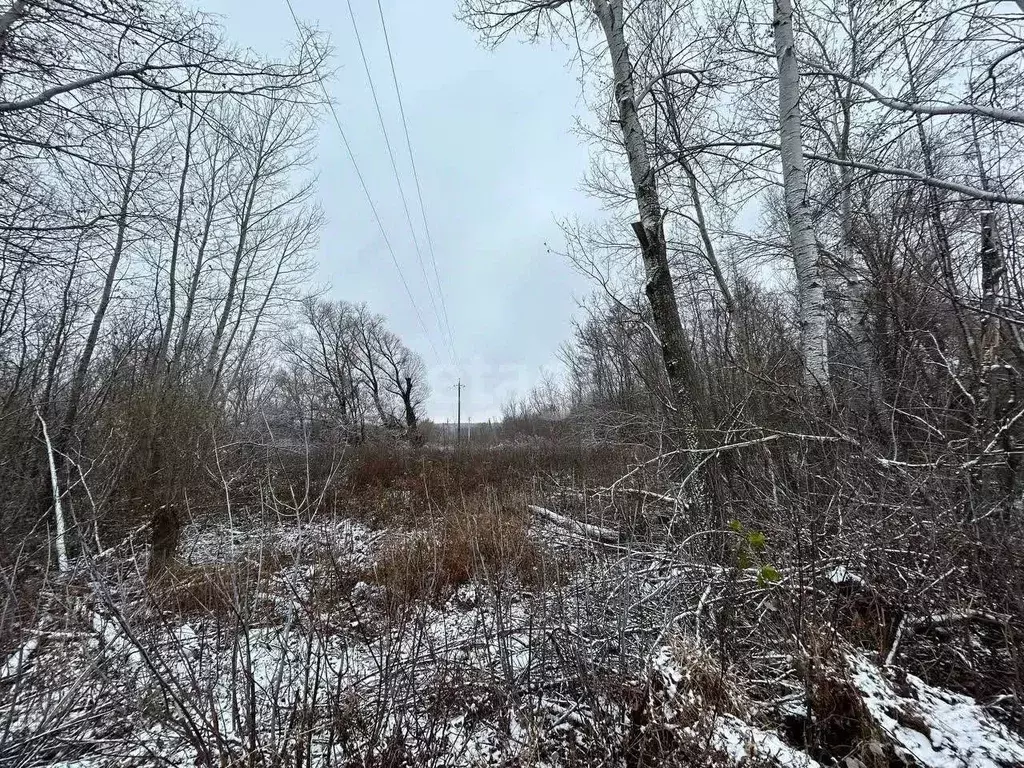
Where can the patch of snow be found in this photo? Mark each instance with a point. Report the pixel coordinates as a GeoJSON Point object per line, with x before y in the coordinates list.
{"type": "Point", "coordinates": [843, 575]}
{"type": "Point", "coordinates": [743, 742]}
{"type": "Point", "coordinates": [14, 664]}
{"type": "Point", "coordinates": [934, 727]}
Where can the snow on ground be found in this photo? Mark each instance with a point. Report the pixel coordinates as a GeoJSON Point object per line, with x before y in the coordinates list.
{"type": "Point", "coordinates": [221, 543]}
{"type": "Point", "coordinates": [743, 742]}
{"type": "Point", "coordinates": [934, 727]}
{"type": "Point", "coordinates": [489, 675]}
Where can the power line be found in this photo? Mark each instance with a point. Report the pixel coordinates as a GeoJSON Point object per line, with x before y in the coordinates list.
{"type": "Point", "coordinates": [394, 168]}
{"type": "Point", "coordinates": [416, 177]}
{"type": "Point", "coordinates": [458, 419]}
{"type": "Point", "coordinates": [366, 193]}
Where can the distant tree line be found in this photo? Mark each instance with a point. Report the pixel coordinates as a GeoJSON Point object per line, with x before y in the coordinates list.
{"type": "Point", "coordinates": [346, 371]}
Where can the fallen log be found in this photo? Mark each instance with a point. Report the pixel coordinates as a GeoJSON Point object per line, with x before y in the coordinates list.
{"type": "Point", "coordinates": [645, 494]}
{"type": "Point", "coordinates": [606, 535]}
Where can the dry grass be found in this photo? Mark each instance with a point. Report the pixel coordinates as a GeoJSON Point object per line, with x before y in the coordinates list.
{"type": "Point", "coordinates": [443, 478]}
{"type": "Point", "coordinates": [711, 687]}
{"type": "Point", "coordinates": [202, 590]}
{"type": "Point", "coordinates": [216, 589]}
{"type": "Point", "coordinates": [841, 725]}
{"type": "Point", "coordinates": [487, 542]}
{"type": "Point", "coordinates": [331, 590]}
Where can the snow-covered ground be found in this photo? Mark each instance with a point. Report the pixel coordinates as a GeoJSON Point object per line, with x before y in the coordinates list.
{"type": "Point", "coordinates": [307, 659]}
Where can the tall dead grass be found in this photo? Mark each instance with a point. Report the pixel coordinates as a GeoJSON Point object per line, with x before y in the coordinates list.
{"type": "Point", "coordinates": [486, 539]}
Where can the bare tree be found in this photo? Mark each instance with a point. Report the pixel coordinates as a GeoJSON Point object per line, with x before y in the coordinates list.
{"type": "Point", "coordinates": [810, 288]}
{"type": "Point", "coordinates": [325, 349]}
{"type": "Point", "coordinates": [129, 177]}
{"type": "Point", "coordinates": [403, 373]}
{"type": "Point", "coordinates": [495, 20]}
{"type": "Point", "coordinates": [124, 128]}
{"type": "Point", "coordinates": [356, 368]}
{"type": "Point", "coordinates": [272, 146]}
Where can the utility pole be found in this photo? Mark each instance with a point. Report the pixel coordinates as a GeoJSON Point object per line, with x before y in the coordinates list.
{"type": "Point", "coordinates": [458, 417]}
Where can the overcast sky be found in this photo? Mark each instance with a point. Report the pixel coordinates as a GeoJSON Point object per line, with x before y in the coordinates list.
{"type": "Point", "coordinates": [498, 163]}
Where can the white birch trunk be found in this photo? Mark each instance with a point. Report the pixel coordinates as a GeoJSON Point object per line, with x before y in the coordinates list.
{"type": "Point", "coordinates": [58, 510]}
{"type": "Point", "coordinates": [609, 12]}
{"type": "Point", "coordinates": [810, 291]}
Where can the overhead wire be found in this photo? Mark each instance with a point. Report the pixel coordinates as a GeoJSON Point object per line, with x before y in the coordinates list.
{"type": "Point", "coordinates": [416, 177]}
{"type": "Point", "coordinates": [366, 193]}
{"type": "Point", "coordinates": [397, 174]}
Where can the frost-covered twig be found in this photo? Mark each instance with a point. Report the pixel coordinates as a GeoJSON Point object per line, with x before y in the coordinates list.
{"type": "Point", "coordinates": [891, 655]}
{"type": "Point", "coordinates": [651, 495]}
{"type": "Point", "coordinates": [964, 617]}
{"type": "Point", "coordinates": [700, 610]}
{"type": "Point", "coordinates": [12, 667]}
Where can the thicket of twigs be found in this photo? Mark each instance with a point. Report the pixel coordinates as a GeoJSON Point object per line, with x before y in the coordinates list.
{"type": "Point", "coordinates": [860, 412]}
{"type": "Point", "coordinates": [747, 525]}
{"type": "Point", "coordinates": [543, 600]}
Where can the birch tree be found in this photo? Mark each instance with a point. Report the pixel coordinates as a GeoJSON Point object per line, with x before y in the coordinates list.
{"type": "Point", "coordinates": [812, 315]}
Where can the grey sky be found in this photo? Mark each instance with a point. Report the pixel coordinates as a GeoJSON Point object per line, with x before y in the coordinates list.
{"type": "Point", "coordinates": [498, 163]}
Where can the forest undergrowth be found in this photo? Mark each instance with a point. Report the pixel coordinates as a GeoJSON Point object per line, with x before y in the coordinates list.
{"type": "Point", "coordinates": [542, 602]}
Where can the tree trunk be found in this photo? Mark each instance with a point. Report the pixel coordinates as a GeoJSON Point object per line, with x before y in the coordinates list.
{"type": "Point", "coordinates": [698, 209]}
{"type": "Point", "coordinates": [812, 316]}
{"type": "Point", "coordinates": [942, 239]}
{"type": "Point", "coordinates": [214, 360]}
{"type": "Point", "coordinates": [705, 236]}
{"type": "Point", "coordinates": [995, 387]}
{"type": "Point", "coordinates": [78, 383]}
{"type": "Point", "coordinates": [254, 327]}
{"type": "Point", "coordinates": [15, 12]}
{"type": "Point", "coordinates": [675, 347]}
{"type": "Point", "coordinates": [860, 322]}
{"type": "Point", "coordinates": [172, 285]}
{"type": "Point", "coordinates": [62, 330]}
{"type": "Point", "coordinates": [158, 475]}
{"type": "Point", "coordinates": [197, 271]}
{"type": "Point", "coordinates": [165, 533]}
{"type": "Point", "coordinates": [410, 411]}
{"type": "Point", "coordinates": [60, 538]}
